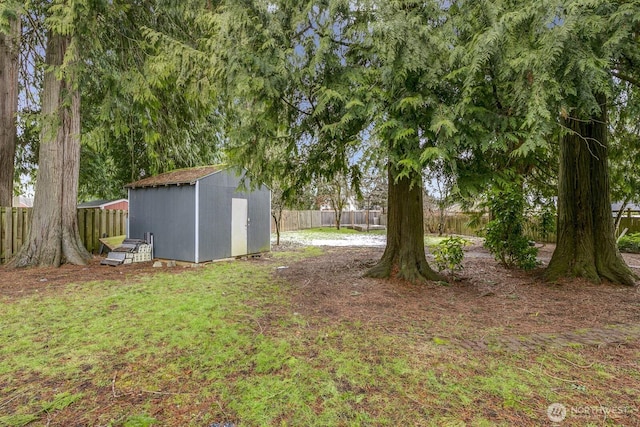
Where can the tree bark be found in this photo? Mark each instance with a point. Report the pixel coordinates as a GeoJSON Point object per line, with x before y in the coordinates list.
{"type": "Point", "coordinates": [586, 245]}
{"type": "Point", "coordinates": [9, 49]}
{"type": "Point", "coordinates": [277, 219]}
{"type": "Point", "coordinates": [53, 236]}
{"type": "Point", "coordinates": [338, 217]}
{"type": "Point", "coordinates": [404, 255]}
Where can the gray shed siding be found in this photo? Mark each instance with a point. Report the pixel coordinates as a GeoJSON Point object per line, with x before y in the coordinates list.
{"type": "Point", "coordinates": [168, 213]}
{"type": "Point", "coordinates": [216, 192]}
{"type": "Point", "coordinates": [260, 224]}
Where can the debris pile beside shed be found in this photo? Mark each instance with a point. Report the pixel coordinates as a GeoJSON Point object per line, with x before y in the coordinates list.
{"type": "Point", "coordinates": [130, 251]}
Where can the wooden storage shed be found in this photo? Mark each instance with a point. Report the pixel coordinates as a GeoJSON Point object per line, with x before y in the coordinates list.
{"type": "Point", "coordinates": [199, 214]}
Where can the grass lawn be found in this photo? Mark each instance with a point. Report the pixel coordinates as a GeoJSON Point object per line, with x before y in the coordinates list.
{"type": "Point", "coordinates": [222, 344]}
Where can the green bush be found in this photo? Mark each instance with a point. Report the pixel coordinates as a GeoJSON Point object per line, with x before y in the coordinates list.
{"type": "Point", "coordinates": [448, 254]}
{"type": "Point", "coordinates": [630, 243]}
{"type": "Point", "coordinates": [546, 221]}
{"type": "Point", "coordinates": [505, 237]}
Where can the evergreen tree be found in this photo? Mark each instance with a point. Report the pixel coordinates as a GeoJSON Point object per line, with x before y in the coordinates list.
{"type": "Point", "coordinates": [10, 30]}
{"type": "Point", "coordinates": [409, 50]}
{"type": "Point", "coordinates": [625, 148]}
{"type": "Point", "coordinates": [53, 236]}
{"type": "Point", "coordinates": [146, 107]}
{"type": "Point", "coordinates": [562, 57]}
{"type": "Point", "coordinates": [315, 78]}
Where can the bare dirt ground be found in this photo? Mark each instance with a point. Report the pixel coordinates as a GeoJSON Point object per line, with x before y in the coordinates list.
{"type": "Point", "coordinates": [490, 305]}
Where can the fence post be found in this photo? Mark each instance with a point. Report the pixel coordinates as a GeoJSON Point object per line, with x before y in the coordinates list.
{"type": "Point", "coordinates": [3, 233]}
{"type": "Point", "coordinates": [8, 229]}
{"type": "Point", "coordinates": [89, 233]}
{"type": "Point", "coordinates": [118, 223]}
{"type": "Point", "coordinates": [81, 225]}
{"type": "Point", "coordinates": [103, 222]}
{"type": "Point", "coordinates": [19, 227]}
{"type": "Point", "coordinates": [96, 229]}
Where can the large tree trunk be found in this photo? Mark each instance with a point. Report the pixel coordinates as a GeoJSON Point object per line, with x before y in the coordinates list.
{"type": "Point", "coordinates": [586, 245]}
{"type": "Point", "coordinates": [9, 48]}
{"type": "Point", "coordinates": [404, 255]}
{"type": "Point", "coordinates": [53, 237]}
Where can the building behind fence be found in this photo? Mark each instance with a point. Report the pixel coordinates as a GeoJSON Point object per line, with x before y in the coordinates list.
{"type": "Point", "coordinates": [92, 224]}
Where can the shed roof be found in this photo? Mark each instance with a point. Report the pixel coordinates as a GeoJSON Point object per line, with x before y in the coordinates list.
{"type": "Point", "coordinates": [100, 203]}
{"type": "Point", "coordinates": [177, 177]}
{"type": "Point", "coordinates": [617, 205]}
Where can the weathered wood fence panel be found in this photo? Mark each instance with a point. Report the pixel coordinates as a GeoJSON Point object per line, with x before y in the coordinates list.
{"type": "Point", "coordinates": [92, 225]}
{"type": "Point", "coordinates": [298, 220]}
{"type": "Point", "coordinates": [462, 224]}
{"type": "Point", "coordinates": [471, 225]}
{"type": "Point", "coordinates": [350, 217]}
{"type": "Point", "coordinates": [632, 223]}
{"type": "Point", "coordinates": [303, 220]}
{"type": "Point", "coordinates": [14, 225]}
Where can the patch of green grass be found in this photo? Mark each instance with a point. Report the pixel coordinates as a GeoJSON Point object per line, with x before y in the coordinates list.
{"type": "Point", "coordinates": [299, 254]}
{"type": "Point", "coordinates": [433, 240]}
{"type": "Point", "coordinates": [57, 403]}
{"type": "Point", "coordinates": [326, 231]}
{"type": "Point", "coordinates": [142, 420]}
{"type": "Point", "coordinates": [331, 233]}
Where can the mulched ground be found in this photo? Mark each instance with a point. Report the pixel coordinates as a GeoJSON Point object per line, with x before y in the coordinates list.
{"type": "Point", "coordinates": [28, 281]}
{"type": "Point", "coordinates": [486, 307]}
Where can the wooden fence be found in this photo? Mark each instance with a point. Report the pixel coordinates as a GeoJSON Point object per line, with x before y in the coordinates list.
{"type": "Point", "coordinates": [95, 223]}
{"type": "Point", "coordinates": [471, 225]}
{"type": "Point", "coordinates": [466, 225]}
{"type": "Point", "coordinates": [92, 224]}
{"type": "Point", "coordinates": [302, 220]}
{"type": "Point", "coordinates": [462, 224]}
{"type": "Point", "coordinates": [298, 220]}
{"type": "Point", "coordinates": [632, 223]}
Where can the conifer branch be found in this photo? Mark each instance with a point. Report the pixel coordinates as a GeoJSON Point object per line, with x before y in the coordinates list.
{"type": "Point", "coordinates": [283, 99]}
{"type": "Point", "coordinates": [494, 88]}
{"type": "Point", "coordinates": [627, 78]}
{"type": "Point", "coordinates": [302, 31]}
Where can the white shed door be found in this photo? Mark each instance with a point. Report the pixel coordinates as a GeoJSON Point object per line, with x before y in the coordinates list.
{"type": "Point", "coordinates": [239, 214]}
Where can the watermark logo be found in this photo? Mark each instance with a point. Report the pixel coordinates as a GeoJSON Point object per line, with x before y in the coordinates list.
{"type": "Point", "coordinates": [557, 412]}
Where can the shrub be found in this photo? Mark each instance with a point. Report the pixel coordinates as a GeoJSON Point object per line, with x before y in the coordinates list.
{"type": "Point", "coordinates": [630, 243]}
{"type": "Point", "coordinates": [448, 254]}
{"type": "Point", "coordinates": [505, 232]}
{"type": "Point", "coordinates": [546, 222]}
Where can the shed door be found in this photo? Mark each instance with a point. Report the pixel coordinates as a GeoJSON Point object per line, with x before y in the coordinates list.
{"type": "Point", "coordinates": [239, 227]}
